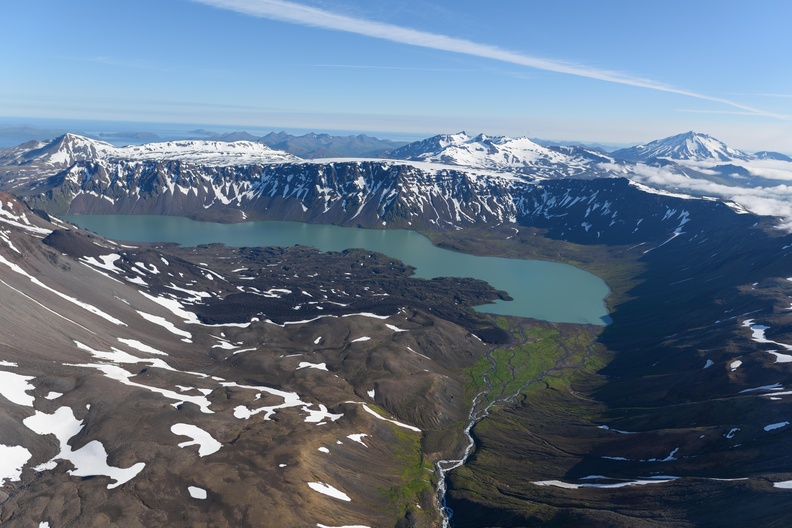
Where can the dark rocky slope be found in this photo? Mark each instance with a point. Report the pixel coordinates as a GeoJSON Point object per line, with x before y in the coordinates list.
{"type": "Point", "coordinates": [130, 350]}
{"type": "Point", "coordinates": [690, 396]}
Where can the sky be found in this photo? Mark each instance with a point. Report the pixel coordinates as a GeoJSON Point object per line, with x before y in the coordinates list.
{"type": "Point", "coordinates": [611, 72]}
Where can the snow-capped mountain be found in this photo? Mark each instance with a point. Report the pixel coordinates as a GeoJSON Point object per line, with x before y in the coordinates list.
{"type": "Point", "coordinates": [687, 146]}
{"type": "Point", "coordinates": [702, 165]}
{"type": "Point", "coordinates": [520, 155]}
{"type": "Point", "coordinates": [448, 180]}
{"type": "Point", "coordinates": [60, 152]}
{"type": "Point", "coordinates": [66, 150]}
{"type": "Point", "coordinates": [210, 153]}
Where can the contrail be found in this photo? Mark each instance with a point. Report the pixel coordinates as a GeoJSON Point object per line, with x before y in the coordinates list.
{"type": "Point", "coordinates": [310, 16]}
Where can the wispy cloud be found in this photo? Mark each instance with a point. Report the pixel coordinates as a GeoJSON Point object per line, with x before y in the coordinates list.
{"type": "Point", "coordinates": [762, 94]}
{"type": "Point", "coordinates": [724, 112]}
{"type": "Point", "coordinates": [294, 13]}
{"type": "Point", "coordinates": [398, 68]}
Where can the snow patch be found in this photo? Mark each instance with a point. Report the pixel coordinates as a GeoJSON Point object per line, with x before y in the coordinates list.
{"type": "Point", "coordinates": [206, 444]}
{"type": "Point", "coordinates": [196, 492]}
{"type": "Point", "coordinates": [317, 366]}
{"type": "Point", "coordinates": [12, 460]}
{"type": "Point", "coordinates": [774, 426]}
{"type": "Point", "coordinates": [328, 490]}
{"type": "Point", "coordinates": [142, 347]}
{"type": "Point", "coordinates": [14, 388]}
{"type": "Point", "coordinates": [89, 460]}
{"type": "Point", "coordinates": [358, 438]}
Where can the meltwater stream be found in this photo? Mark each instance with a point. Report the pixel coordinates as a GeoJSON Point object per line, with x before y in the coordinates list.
{"type": "Point", "coordinates": [478, 413]}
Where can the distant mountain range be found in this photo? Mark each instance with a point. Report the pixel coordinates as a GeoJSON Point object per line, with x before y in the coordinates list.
{"type": "Point", "coordinates": [311, 145]}
{"type": "Point", "coordinates": [306, 146]}
{"type": "Point", "coordinates": [465, 180]}
{"type": "Point", "coordinates": [445, 182]}
{"type": "Point", "coordinates": [503, 154]}
{"type": "Point", "coordinates": [523, 154]}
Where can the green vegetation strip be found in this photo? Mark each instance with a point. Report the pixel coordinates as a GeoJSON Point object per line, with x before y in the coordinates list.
{"type": "Point", "coordinates": [537, 351]}
{"type": "Point", "coordinates": [416, 486]}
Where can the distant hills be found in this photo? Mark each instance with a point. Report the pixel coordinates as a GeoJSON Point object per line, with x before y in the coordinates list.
{"type": "Point", "coordinates": [312, 145]}
{"type": "Point", "coordinates": [491, 173]}
{"type": "Point", "coordinates": [306, 146]}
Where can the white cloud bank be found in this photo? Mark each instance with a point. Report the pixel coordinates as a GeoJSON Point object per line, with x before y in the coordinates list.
{"type": "Point", "coordinates": [767, 201]}
{"type": "Point", "coordinates": [310, 16]}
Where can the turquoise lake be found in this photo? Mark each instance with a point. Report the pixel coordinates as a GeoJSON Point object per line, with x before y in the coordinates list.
{"type": "Point", "coordinates": [549, 291]}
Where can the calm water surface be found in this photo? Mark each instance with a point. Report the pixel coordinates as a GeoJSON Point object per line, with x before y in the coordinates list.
{"type": "Point", "coordinates": [543, 290]}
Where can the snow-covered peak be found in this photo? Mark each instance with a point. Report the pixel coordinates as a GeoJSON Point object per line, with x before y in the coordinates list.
{"type": "Point", "coordinates": [447, 140]}
{"type": "Point", "coordinates": [417, 149]}
{"type": "Point", "coordinates": [687, 146]}
{"type": "Point", "coordinates": [500, 153]}
{"type": "Point", "coordinates": [66, 150]}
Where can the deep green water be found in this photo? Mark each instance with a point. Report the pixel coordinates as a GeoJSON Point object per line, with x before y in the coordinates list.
{"type": "Point", "coordinates": [543, 290]}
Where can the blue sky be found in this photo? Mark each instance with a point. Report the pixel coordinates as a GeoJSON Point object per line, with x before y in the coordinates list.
{"type": "Point", "coordinates": [613, 71]}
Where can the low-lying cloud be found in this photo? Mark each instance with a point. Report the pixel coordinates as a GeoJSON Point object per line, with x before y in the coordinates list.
{"type": "Point", "coordinates": [766, 201]}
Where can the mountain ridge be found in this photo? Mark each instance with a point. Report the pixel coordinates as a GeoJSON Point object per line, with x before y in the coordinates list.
{"type": "Point", "coordinates": [468, 181]}
{"type": "Point", "coordinates": [501, 153]}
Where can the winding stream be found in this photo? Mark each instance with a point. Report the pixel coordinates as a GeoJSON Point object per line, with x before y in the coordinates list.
{"type": "Point", "coordinates": [478, 413]}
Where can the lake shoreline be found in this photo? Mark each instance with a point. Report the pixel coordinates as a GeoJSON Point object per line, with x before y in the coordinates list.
{"type": "Point", "coordinates": [545, 290]}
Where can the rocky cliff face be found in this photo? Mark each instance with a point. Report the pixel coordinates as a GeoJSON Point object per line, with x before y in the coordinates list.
{"type": "Point", "coordinates": [370, 194]}
{"type": "Point", "coordinates": [242, 180]}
